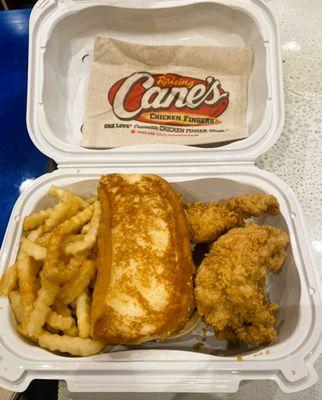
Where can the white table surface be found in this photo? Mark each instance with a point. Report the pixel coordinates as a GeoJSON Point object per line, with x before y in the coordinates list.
{"type": "Point", "coordinates": [296, 158]}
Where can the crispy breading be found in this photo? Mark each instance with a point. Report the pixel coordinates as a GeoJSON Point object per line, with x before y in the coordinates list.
{"type": "Point", "coordinates": [207, 221]}
{"type": "Point", "coordinates": [230, 283]}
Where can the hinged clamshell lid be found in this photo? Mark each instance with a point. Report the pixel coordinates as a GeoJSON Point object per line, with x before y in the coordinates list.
{"type": "Point", "coordinates": [60, 53]}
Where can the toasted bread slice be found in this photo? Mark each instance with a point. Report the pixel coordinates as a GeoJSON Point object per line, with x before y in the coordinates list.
{"type": "Point", "coordinates": [144, 287]}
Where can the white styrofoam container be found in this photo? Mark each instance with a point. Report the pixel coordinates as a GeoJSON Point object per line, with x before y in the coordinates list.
{"type": "Point", "coordinates": [61, 33]}
{"type": "Point", "coordinates": [60, 53]}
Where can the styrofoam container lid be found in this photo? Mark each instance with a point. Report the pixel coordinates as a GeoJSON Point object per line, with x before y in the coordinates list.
{"type": "Point", "coordinates": [60, 54]}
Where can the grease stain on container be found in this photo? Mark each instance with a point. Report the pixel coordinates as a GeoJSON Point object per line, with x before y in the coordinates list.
{"type": "Point", "coordinates": [198, 346]}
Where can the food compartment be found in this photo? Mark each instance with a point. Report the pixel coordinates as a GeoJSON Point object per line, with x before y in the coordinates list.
{"type": "Point", "coordinates": [285, 288]}
{"type": "Point", "coordinates": [66, 55]}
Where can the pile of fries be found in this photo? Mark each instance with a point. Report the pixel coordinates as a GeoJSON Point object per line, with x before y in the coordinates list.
{"type": "Point", "coordinates": [50, 285]}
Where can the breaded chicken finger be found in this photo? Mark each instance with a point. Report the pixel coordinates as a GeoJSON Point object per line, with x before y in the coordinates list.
{"type": "Point", "coordinates": [207, 221]}
{"type": "Point", "coordinates": [230, 283]}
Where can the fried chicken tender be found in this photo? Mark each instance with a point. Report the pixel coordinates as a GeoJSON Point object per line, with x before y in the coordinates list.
{"type": "Point", "coordinates": [208, 221]}
{"type": "Point", "coordinates": [230, 283]}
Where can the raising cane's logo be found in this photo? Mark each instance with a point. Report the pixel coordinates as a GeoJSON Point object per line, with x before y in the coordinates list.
{"type": "Point", "coordinates": [168, 99]}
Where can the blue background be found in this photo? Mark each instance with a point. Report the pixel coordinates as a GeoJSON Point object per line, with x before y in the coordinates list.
{"type": "Point", "coordinates": [19, 158]}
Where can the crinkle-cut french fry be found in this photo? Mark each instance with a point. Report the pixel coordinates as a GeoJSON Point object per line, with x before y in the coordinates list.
{"type": "Point", "coordinates": [75, 346]}
{"type": "Point", "coordinates": [44, 239]}
{"type": "Point", "coordinates": [62, 308]}
{"type": "Point", "coordinates": [21, 329]}
{"type": "Point", "coordinates": [53, 267]}
{"type": "Point", "coordinates": [34, 220]}
{"type": "Point", "coordinates": [65, 196]}
{"type": "Point", "coordinates": [90, 237]}
{"type": "Point", "coordinates": [38, 265]}
{"type": "Point", "coordinates": [46, 297]}
{"type": "Point", "coordinates": [72, 238]}
{"type": "Point", "coordinates": [58, 321]}
{"type": "Point", "coordinates": [83, 314]}
{"type": "Point", "coordinates": [9, 280]}
{"type": "Point", "coordinates": [57, 216]}
{"type": "Point", "coordinates": [50, 329]}
{"type": "Point", "coordinates": [35, 233]}
{"type": "Point", "coordinates": [75, 223]}
{"type": "Point", "coordinates": [73, 288]}
{"type": "Point", "coordinates": [74, 208]}
{"type": "Point", "coordinates": [28, 282]}
{"type": "Point", "coordinates": [64, 272]}
{"type": "Point", "coordinates": [91, 199]}
{"type": "Point", "coordinates": [73, 266]}
{"type": "Point", "coordinates": [73, 331]}
{"type": "Point", "coordinates": [51, 231]}
{"type": "Point", "coordinates": [85, 229]}
{"type": "Point", "coordinates": [34, 250]}
{"type": "Point", "coordinates": [16, 305]}
{"type": "Point", "coordinates": [63, 210]}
